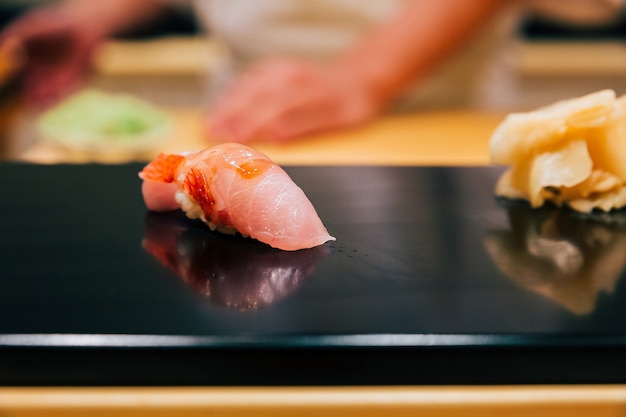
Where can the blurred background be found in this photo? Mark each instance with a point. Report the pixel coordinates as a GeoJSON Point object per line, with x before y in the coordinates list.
{"type": "Point", "coordinates": [166, 62]}
{"type": "Point", "coordinates": [170, 62]}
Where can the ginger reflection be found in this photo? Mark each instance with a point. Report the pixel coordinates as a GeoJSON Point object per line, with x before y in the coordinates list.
{"type": "Point", "coordinates": [565, 256]}
{"type": "Point", "coordinates": [231, 271]}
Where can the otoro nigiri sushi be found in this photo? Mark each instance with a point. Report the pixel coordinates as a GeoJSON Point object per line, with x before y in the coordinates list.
{"type": "Point", "coordinates": [233, 188]}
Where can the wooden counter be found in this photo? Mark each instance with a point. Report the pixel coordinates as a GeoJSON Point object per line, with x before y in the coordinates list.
{"type": "Point", "coordinates": [522, 401]}
{"type": "Point", "coordinates": [434, 138]}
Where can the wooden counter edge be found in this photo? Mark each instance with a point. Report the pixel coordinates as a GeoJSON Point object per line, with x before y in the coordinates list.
{"type": "Point", "coordinates": [597, 400]}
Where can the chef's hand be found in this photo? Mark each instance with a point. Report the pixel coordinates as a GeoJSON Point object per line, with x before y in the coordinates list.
{"type": "Point", "coordinates": [55, 47]}
{"type": "Point", "coordinates": [282, 99]}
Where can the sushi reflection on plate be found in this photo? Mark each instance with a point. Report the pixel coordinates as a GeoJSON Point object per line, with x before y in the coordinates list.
{"type": "Point", "coordinates": [236, 272]}
{"type": "Point", "coordinates": [567, 257]}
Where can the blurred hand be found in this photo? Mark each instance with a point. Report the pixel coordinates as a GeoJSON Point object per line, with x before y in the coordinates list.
{"type": "Point", "coordinates": [56, 47]}
{"type": "Point", "coordinates": [282, 99]}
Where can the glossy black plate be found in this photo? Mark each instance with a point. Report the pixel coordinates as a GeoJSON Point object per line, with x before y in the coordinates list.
{"type": "Point", "coordinates": [431, 281]}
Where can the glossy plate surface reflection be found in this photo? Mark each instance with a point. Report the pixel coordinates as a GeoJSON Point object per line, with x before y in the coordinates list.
{"type": "Point", "coordinates": [572, 259]}
{"type": "Point", "coordinates": [231, 271]}
{"type": "Point", "coordinates": [431, 280]}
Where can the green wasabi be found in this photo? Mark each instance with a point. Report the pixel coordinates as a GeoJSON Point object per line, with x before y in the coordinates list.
{"type": "Point", "coordinates": [97, 120]}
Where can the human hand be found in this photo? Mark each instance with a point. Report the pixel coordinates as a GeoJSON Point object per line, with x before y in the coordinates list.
{"type": "Point", "coordinates": [55, 47]}
{"type": "Point", "coordinates": [282, 99]}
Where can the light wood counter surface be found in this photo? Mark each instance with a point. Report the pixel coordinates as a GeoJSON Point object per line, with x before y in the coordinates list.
{"type": "Point", "coordinates": [432, 138]}
{"type": "Point", "coordinates": [521, 401]}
